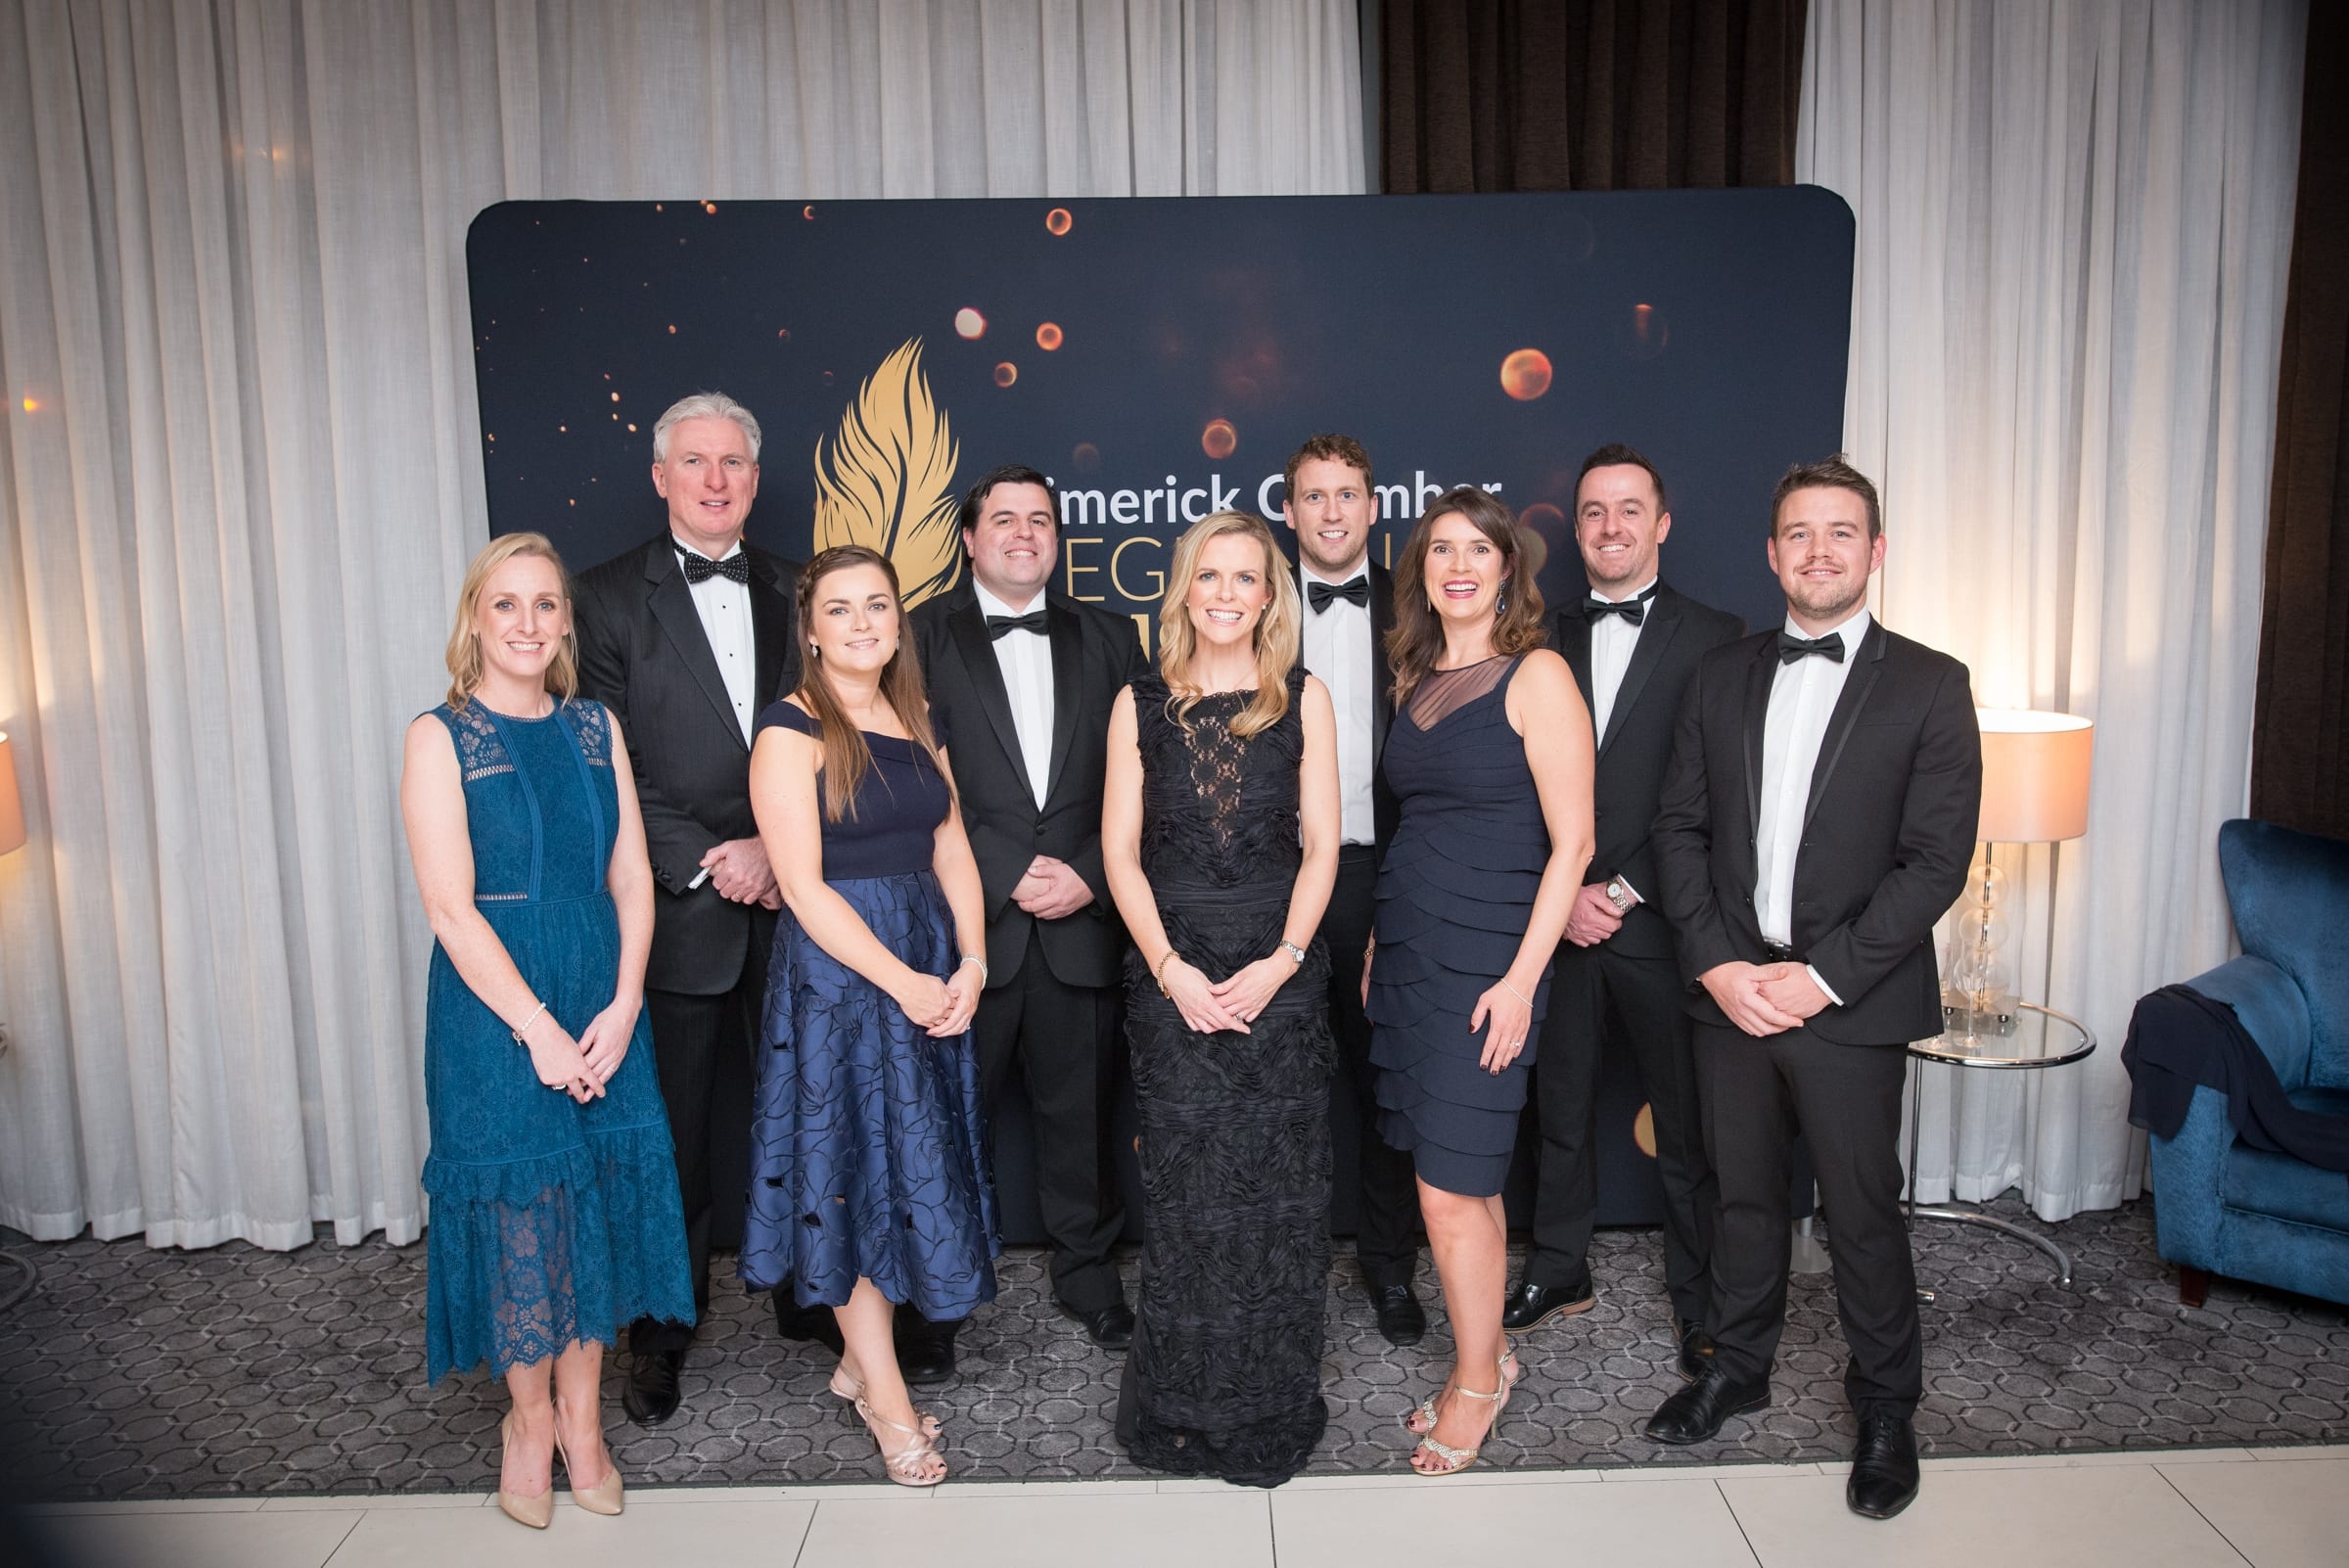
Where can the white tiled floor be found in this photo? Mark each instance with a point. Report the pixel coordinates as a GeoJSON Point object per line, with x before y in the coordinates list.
{"type": "Point", "coordinates": [2224, 1508]}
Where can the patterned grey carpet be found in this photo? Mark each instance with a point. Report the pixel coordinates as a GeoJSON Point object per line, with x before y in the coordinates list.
{"type": "Point", "coordinates": [134, 1374]}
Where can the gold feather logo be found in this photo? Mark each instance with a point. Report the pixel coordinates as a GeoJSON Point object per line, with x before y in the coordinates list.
{"type": "Point", "coordinates": [889, 483]}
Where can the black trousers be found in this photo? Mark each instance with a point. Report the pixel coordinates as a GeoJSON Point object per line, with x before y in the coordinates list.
{"type": "Point", "coordinates": [1385, 1247]}
{"type": "Point", "coordinates": [1757, 1095]}
{"type": "Point", "coordinates": [695, 1040]}
{"type": "Point", "coordinates": [1062, 1040]}
{"type": "Point", "coordinates": [1598, 995]}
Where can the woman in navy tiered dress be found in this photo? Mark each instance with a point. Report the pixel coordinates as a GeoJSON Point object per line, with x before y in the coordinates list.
{"type": "Point", "coordinates": [554, 1185]}
{"type": "Point", "coordinates": [1490, 758]}
{"type": "Point", "coordinates": [869, 1185]}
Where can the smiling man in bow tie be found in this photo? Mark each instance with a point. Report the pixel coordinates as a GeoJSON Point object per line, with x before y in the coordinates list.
{"type": "Point", "coordinates": [1818, 817]}
{"type": "Point", "coordinates": [1634, 643]}
{"type": "Point", "coordinates": [1025, 677]}
{"type": "Point", "coordinates": [1350, 607]}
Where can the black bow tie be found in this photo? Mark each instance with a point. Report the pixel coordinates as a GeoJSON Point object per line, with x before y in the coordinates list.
{"type": "Point", "coordinates": [998, 627]}
{"type": "Point", "coordinates": [1792, 647]}
{"type": "Point", "coordinates": [1318, 593]}
{"type": "Point", "coordinates": [700, 569]}
{"type": "Point", "coordinates": [1633, 610]}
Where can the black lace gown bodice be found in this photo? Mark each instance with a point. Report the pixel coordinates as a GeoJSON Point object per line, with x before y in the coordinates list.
{"type": "Point", "coordinates": [1225, 1376]}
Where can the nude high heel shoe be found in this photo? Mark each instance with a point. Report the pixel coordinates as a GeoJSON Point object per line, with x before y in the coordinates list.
{"type": "Point", "coordinates": [538, 1512]}
{"type": "Point", "coordinates": [606, 1496]}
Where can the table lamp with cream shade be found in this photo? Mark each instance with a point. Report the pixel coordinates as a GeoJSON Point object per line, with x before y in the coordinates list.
{"type": "Point", "coordinates": [2034, 776]}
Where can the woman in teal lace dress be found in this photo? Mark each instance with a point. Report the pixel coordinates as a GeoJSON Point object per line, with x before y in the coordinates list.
{"type": "Point", "coordinates": [555, 1210]}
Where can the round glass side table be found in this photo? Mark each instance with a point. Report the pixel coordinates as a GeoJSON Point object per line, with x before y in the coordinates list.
{"type": "Point", "coordinates": [2039, 1036]}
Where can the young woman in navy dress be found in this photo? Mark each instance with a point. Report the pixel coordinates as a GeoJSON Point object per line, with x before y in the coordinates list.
{"type": "Point", "coordinates": [554, 1185]}
{"type": "Point", "coordinates": [1490, 759]}
{"type": "Point", "coordinates": [869, 1185]}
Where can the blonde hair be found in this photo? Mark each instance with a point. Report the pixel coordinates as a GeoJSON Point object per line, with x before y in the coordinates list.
{"type": "Point", "coordinates": [848, 756]}
{"type": "Point", "coordinates": [1279, 630]}
{"type": "Point", "coordinates": [464, 656]}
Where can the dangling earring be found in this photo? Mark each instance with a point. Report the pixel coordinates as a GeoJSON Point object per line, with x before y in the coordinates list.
{"type": "Point", "coordinates": [1501, 606]}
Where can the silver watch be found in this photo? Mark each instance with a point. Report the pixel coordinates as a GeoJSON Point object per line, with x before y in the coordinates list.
{"type": "Point", "coordinates": [1295, 952]}
{"type": "Point", "coordinates": [1619, 895]}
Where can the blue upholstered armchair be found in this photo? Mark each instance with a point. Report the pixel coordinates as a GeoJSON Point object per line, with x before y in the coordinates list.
{"type": "Point", "coordinates": [2222, 1206]}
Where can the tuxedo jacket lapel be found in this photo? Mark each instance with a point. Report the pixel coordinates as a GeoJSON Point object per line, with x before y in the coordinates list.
{"type": "Point", "coordinates": [1574, 646]}
{"type": "Point", "coordinates": [671, 606]}
{"type": "Point", "coordinates": [1663, 623]}
{"type": "Point", "coordinates": [1757, 719]}
{"type": "Point", "coordinates": [1382, 677]}
{"type": "Point", "coordinates": [1068, 669]}
{"type": "Point", "coordinates": [1855, 687]}
{"type": "Point", "coordinates": [987, 678]}
{"type": "Point", "coordinates": [771, 632]}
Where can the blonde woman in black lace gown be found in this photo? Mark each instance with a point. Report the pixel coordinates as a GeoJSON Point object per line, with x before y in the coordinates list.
{"type": "Point", "coordinates": [1220, 835]}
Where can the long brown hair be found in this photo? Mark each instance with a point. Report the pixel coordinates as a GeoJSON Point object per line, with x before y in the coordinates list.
{"type": "Point", "coordinates": [1416, 640]}
{"type": "Point", "coordinates": [464, 654]}
{"type": "Point", "coordinates": [848, 757]}
{"type": "Point", "coordinates": [1279, 630]}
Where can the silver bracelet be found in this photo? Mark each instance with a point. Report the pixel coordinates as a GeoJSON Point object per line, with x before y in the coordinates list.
{"type": "Point", "coordinates": [526, 1023]}
{"type": "Point", "coordinates": [974, 958]}
{"type": "Point", "coordinates": [1514, 992]}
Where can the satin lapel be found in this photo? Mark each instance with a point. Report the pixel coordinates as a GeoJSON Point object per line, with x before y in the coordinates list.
{"type": "Point", "coordinates": [1663, 622]}
{"type": "Point", "coordinates": [978, 651]}
{"type": "Point", "coordinates": [671, 604]}
{"type": "Point", "coordinates": [1574, 645]}
{"type": "Point", "coordinates": [1068, 669]}
{"type": "Point", "coordinates": [1757, 719]}
{"type": "Point", "coordinates": [772, 628]}
{"type": "Point", "coordinates": [1855, 688]}
{"type": "Point", "coordinates": [1382, 677]}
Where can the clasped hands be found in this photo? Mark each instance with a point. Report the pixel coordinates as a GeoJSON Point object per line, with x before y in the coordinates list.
{"type": "Point", "coordinates": [940, 1007]}
{"type": "Point", "coordinates": [582, 1067]}
{"type": "Point", "coordinates": [1051, 890]}
{"type": "Point", "coordinates": [1210, 1006]}
{"type": "Point", "coordinates": [739, 871]}
{"type": "Point", "coordinates": [1764, 998]}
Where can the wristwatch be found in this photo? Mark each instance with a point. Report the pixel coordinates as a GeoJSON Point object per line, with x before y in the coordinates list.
{"type": "Point", "coordinates": [1295, 952]}
{"type": "Point", "coordinates": [1619, 895]}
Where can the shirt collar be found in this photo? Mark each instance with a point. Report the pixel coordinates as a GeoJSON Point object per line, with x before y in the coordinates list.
{"type": "Point", "coordinates": [1361, 569]}
{"type": "Point", "coordinates": [1852, 629]}
{"type": "Point", "coordinates": [989, 605]}
{"type": "Point", "coordinates": [683, 548]}
{"type": "Point", "coordinates": [1641, 592]}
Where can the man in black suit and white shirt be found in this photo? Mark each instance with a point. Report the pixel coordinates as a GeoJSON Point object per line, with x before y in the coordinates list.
{"type": "Point", "coordinates": [1025, 677]}
{"type": "Point", "coordinates": [685, 639]}
{"type": "Point", "coordinates": [1819, 816]}
{"type": "Point", "coordinates": [1632, 643]}
{"type": "Point", "coordinates": [1350, 608]}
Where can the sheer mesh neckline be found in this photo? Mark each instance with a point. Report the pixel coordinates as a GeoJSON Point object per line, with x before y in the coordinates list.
{"type": "Point", "coordinates": [1443, 693]}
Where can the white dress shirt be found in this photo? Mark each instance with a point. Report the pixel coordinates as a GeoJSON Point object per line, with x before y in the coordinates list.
{"type": "Point", "coordinates": [1025, 660]}
{"type": "Point", "coordinates": [1613, 640]}
{"type": "Point", "coordinates": [725, 610]}
{"type": "Point", "coordinates": [1802, 699]}
{"type": "Point", "coordinates": [1337, 651]}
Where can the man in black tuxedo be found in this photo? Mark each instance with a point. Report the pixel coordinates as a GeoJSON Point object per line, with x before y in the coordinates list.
{"type": "Point", "coordinates": [1634, 643]}
{"type": "Point", "coordinates": [686, 637]}
{"type": "Point", "coordinates": [1025, 677]}
{"type": "Point", "coordinates": [1818, 817]}
{"type": "Point", "coordinates": [1350, 608]}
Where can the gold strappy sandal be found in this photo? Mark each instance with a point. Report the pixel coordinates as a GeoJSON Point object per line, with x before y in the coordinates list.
{"type": "Point", "coordinates": [1422, 1419]}
{"type": "Point", "coordinates": [905, 1466]}
{"type": "Point", "coordinates": [1458, 1460]}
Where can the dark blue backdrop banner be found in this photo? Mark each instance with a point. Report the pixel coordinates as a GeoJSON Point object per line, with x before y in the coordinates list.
{"type": "Point", "coordinates": [1160, 359]}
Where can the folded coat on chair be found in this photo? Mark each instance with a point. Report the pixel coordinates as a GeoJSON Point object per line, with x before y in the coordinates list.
{"type": "Point", "coordinates": [2179, 1040]}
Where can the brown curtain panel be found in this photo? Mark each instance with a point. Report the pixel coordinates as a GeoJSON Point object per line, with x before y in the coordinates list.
{"type": "Point", "coordinates": [2300, 730]}
{"type": "Point", "coordinates": [1587, 95]}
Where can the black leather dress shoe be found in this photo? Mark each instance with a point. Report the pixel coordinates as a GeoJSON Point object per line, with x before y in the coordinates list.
{"type": "Point", "coordinates": [1530, 1306]}
{"type": "Point", "coordinates": [924, 1350]}
{"type": "Point", "coordinates": [811, 1325]}
{"type": "Point", "coordinates": [1111, 1328]}
{"type": "Point", "coordinates": [1696, 1350]}
{"type": "Point", "coordinates": [1884, 1470]}
{"type": "Point", "coordinates": [1400, 1318]}
{"type": "Point", "coordinates": [650, 1396]}
{"type": "Point", "coordinates": [1697, 1413]}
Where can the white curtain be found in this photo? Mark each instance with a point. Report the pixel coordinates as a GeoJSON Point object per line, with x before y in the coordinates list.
{"type": "Point", "coordinates": [2074, 218]}
{"type": "Point", "coordinates": [242, 477]}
